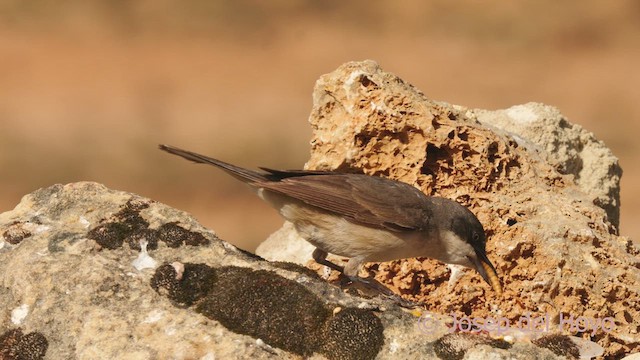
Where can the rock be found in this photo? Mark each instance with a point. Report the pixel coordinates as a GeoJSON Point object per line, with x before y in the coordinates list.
{"type": "Point", "coordinates": [16, 345]}
{"type": "Point", "coordinates": [72, 290]}
{"type": "Point", "coordinates": [568, 147]}
{"type": "Point", "coordinates": [286, 244]}
{"type": "Point", "coordinates": [546, 191]}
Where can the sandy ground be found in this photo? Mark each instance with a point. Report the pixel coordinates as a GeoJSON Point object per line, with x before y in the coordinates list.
{"type": "Point", "coordinates": [88, 91]}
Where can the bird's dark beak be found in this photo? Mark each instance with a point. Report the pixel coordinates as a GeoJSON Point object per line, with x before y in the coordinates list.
{"type": "Point", "coordinates": [486, 270]}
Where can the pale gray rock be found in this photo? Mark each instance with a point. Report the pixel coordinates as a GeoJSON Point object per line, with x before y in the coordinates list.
{"type": "Point", "coordinates": [286, 245]}
{"type": "Point", "coordinates": [569, 147]}
{"type": "Point", "coordinates": [92, 303]}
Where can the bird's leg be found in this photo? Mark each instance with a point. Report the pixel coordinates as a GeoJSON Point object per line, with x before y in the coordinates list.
{"type": "Point", "coordinates": [320, 256]}
{"type": "Point", "coordinates": [351, 273]}
{"type": "Point", "coordinates": [353, 268]}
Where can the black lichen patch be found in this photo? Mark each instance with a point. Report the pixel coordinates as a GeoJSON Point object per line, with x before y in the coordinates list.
{"type": "Point", "coordinates": [187, 287]}
{"type": "Point", "coordinates": [353, 334]}
{"type": "Point", "coordinates": [110, 235]}
{"type": "Point", "coordinates": [265, 305]}
{"type": "Point", "coordinates": [15, 233]}
{"type": "Point", "coordinates": [149, 235]}
{"type": "Point", "coordinates": [14, 345]}
{"type": "Point", "coordinates": [279, 311]}
{"type": "Point", "coordinates": [175, 236]}
{"type": "Point", "coordinates": [560, 345]}
{"type": "Point", "coordinates": [125, 223]}
{"type": "Point", "coordinates": [289, 266]}
{"type": "Point", "coordinates": [454, 346]}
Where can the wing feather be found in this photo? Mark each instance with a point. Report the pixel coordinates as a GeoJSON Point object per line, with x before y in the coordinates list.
{"type": "Point", "coordinates": [373, 201]}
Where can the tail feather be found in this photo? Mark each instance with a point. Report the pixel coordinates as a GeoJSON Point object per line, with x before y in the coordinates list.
{"type": "Point", "coordinates": [239, 173]}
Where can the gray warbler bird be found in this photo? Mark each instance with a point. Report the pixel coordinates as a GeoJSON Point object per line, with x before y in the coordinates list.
{"type": "Point", "coordinates": [366, 218]}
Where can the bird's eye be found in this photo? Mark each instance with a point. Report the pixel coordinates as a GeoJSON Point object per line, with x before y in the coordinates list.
{"type": "Point", "coordinates": [475, 236]}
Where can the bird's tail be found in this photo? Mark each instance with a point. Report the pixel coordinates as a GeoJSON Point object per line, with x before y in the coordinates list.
{"type": "Point", "coordinates": [245, 175]}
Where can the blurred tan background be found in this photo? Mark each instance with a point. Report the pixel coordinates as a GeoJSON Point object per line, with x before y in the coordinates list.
{"type": "Point", "coordinates": [89, 88]}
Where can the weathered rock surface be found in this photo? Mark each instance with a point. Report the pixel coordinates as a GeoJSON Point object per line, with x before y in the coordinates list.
{"type": "Point", "coordinates": [546, 191]}
{"type": "Point", "coordinates": [93, 273]}
{"type": "Point", "coordinates": [568, 147]}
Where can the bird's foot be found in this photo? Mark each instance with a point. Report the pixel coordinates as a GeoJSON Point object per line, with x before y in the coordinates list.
{"type": "Point", "coordinates": [372, 284]}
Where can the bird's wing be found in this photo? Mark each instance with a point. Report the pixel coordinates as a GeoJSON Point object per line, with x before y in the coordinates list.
{"type": "Point", "coordinates": [368, 200]}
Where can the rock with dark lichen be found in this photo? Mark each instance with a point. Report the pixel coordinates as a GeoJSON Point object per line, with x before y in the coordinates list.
{"type": "Point", "coordinates": [150, 236]}
{"type": "Point", "coordinates": [15, 233]}
{"type": "Point", "coordinates": [110, 235]}
{"type": "Point", "coordinates": [264, 305]}
{"type": "Point", "coordinates": [560, 345]}
{"type": "Point", "coordinates": [295, 268]}
{"type": "Point", "coordinates": [353, 334]}
{"type": "Point", "coordinates": [93, 303]}
{"type": "Point", "coordinates": [455, 346]}
{"type": "Point", "coordinates": [175, 235]}
{"type": "Point", "coordinates": [125, 223]}
{"type": "Point", "coordinates": [277, 310]}
{"type": "Point", "coordinates": [183, 284]}
{"type": "Point", "coordinates": [128, 226]}
{"type": "Point", "coordinates": [15, 345]}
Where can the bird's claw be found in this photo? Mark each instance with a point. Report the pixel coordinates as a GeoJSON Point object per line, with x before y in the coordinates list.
{"type": "Point", "coordinates": [371, 283]}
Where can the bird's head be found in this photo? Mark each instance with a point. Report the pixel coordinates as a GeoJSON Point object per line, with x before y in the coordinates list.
{"type": "Point", "coordinates": [465, 242]}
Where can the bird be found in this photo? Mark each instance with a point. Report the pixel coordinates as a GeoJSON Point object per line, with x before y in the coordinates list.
{"type": "Point", "coordinates": [366, 218]}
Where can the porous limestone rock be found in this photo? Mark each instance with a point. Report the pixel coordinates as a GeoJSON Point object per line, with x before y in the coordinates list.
{"type": "Point", "coordinates": [566, 146]}
{"type": "Point", "coordinates": [546, 191]}
{"type": "Point", "coordinates": [92, 273]}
